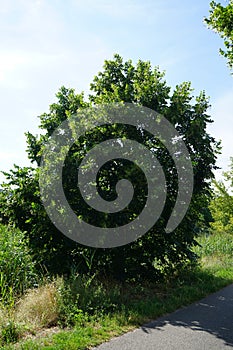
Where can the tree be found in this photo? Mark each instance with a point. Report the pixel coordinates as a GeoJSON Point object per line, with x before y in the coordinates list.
{"type": "Point", "coordinates": [222, 204]}
{"type": "Point", "coordinates": [221, 21]}
{"type": "Point", "coordinates": [118, 82]}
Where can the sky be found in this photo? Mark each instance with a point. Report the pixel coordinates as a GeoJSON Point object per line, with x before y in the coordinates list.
{"type": "Point", "coordinates": [49, 43]}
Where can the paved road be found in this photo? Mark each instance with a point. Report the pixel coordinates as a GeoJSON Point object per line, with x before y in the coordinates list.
{"type": "Point", "coordinates": [205, 325]}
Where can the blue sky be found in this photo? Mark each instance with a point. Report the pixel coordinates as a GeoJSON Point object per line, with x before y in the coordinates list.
{"type": "Point", "coordinates": [49, 43]}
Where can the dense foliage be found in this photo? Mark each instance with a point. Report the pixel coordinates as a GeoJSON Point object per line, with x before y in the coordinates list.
{"type": "Point", "coordinates": [143, 85]}
{"type": "Point", "coordinates": [221, 21]}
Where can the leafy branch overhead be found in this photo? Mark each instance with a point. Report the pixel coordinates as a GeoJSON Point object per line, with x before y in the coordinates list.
{"type": "Point", "coordinates": [221, 21]}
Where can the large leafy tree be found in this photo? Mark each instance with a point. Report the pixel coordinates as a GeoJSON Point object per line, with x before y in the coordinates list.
{"type": "Point", "coordinates": [221, 21]}
{"type": "Point", "coordinates": [140, 84]}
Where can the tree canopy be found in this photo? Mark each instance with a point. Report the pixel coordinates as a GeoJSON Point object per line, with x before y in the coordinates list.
{"type": "Point", "coordinates": [221, 21]}
{"type": "Point", "coordinates": [157, 250]}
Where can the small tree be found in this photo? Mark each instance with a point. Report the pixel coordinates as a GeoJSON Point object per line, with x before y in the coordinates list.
{"type": "Point", "coordinates": [221, 21]}
{"type": "Point", "coordinates": [118, 82]}
{"type": "Point", "coordinates": [222, 204]}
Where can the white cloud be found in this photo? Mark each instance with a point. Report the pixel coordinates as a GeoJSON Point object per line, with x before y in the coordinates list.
{"type": "Point", "coordinates": [14, 65]}
{"type": "Point", "coordinates": [7, 155]}
{"type": "Point", "coordinates": [8, 62]}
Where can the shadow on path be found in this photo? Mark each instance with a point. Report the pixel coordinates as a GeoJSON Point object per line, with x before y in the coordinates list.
{"type": "Point", "coordinates": [214, 315]}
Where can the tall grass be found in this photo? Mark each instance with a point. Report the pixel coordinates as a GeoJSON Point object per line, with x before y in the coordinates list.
{"type": "Point", "coordinates": [217, 244]}
{"type": "Point", "coordinates": [17, 274]}
{"type": "Point", "coordinates": [38, 307]}
{"type": "Point", "coordinates": [17, 271]}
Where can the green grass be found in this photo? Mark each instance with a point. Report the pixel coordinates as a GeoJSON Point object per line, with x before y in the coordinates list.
{"type": "Point", "coordinates": [141, 303]}
{"type": "Point", "coordinates": [17, 271]}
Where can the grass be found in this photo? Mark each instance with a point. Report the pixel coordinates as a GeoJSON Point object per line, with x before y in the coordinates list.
{"type": "Point", "coordinates": [120, 307]}
{"type": "Point", "coordinates": [38, 307]}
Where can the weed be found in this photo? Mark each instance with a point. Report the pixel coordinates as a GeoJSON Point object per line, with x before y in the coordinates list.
{"type": "Point", "coordinates": [9, 332]}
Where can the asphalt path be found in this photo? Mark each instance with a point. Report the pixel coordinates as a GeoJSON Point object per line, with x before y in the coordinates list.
{"type": "Point", "coordinates": [204, 325]}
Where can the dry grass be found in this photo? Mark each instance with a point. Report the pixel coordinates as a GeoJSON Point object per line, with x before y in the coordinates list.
{"type": "Point", "coordinates": [38, 308]}
{"type": "Point", "coordinates": [3, 315]}
{"type": "Point", "coordinates": [211, 261]}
